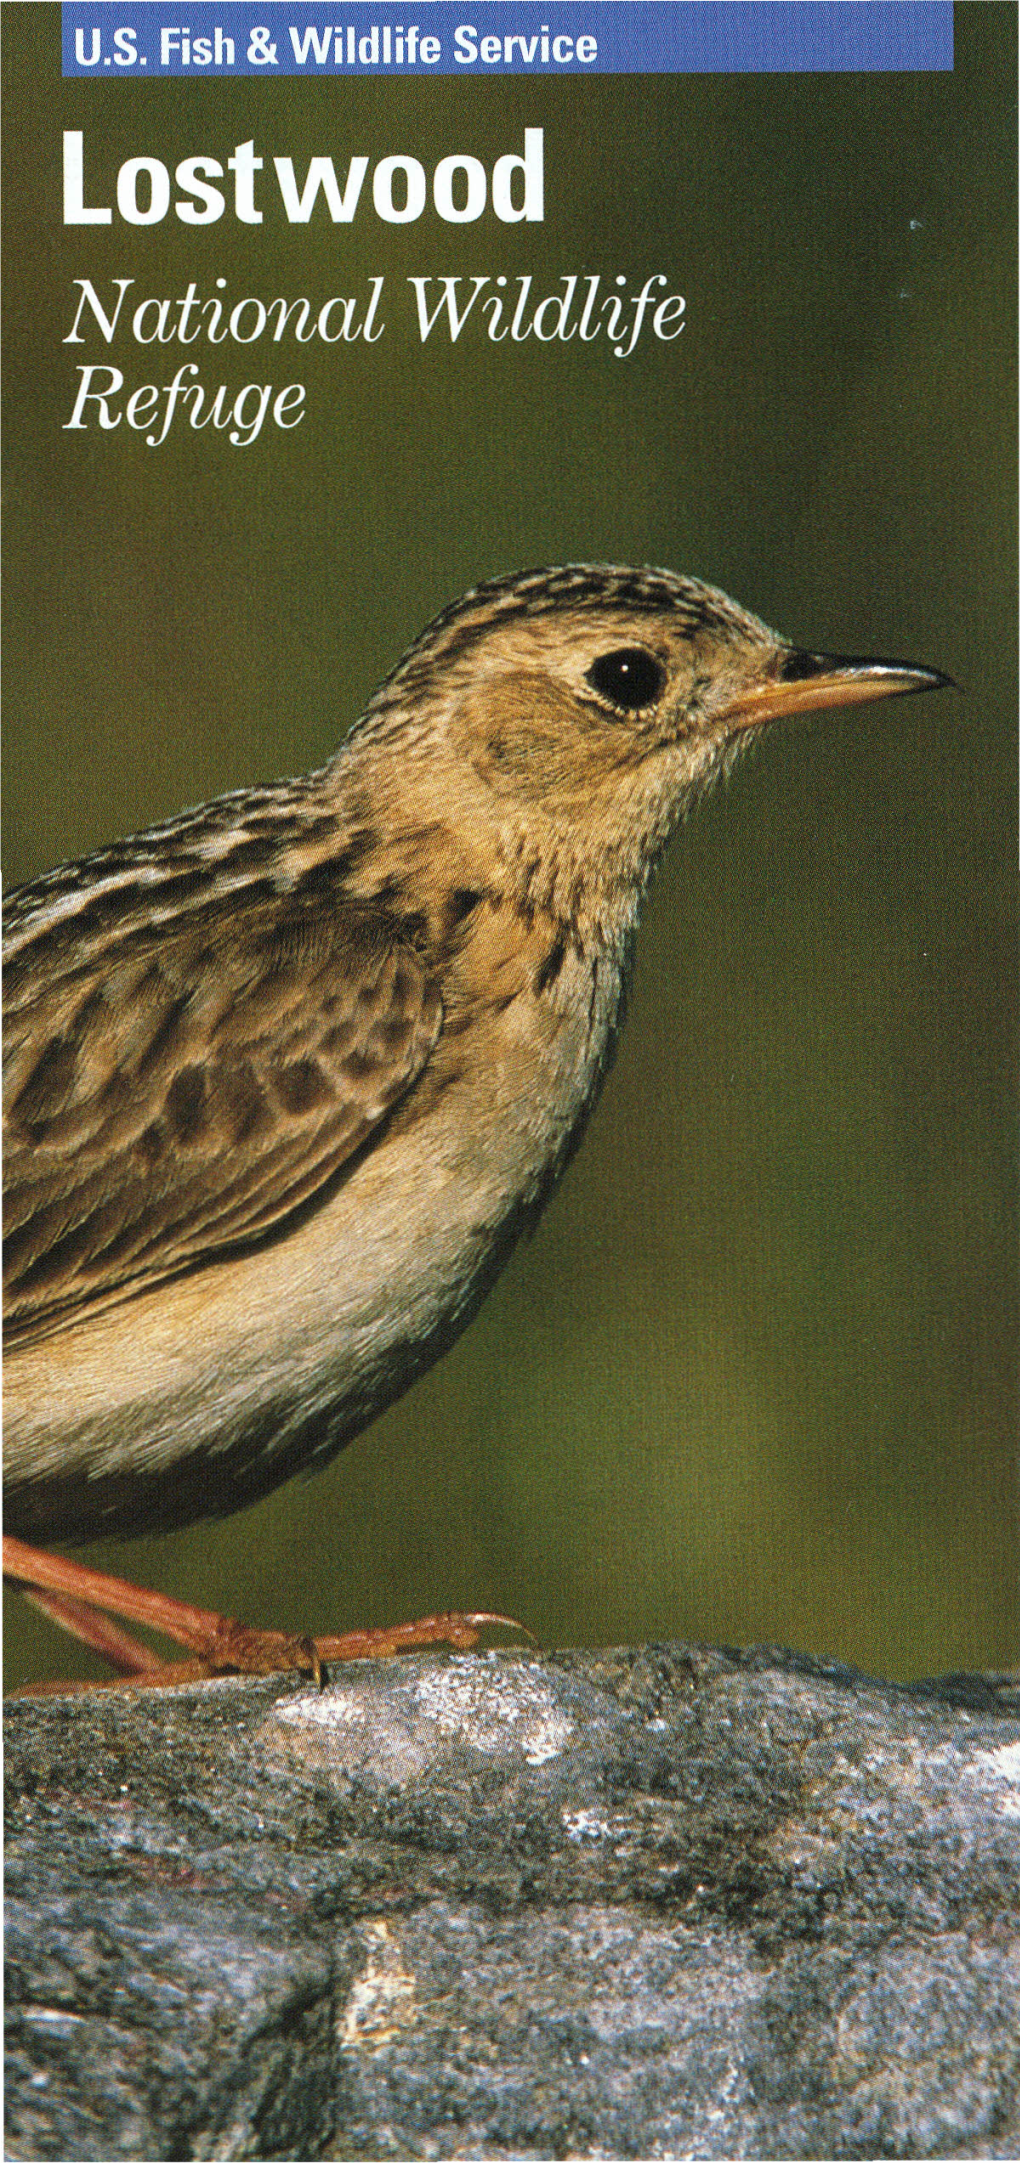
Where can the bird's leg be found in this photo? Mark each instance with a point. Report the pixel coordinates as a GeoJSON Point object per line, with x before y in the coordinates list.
{"type": "Point", "coordinates": [127, 1655]}
{"type": "Point", "coordinates": [72, 1593]}
{"type": "Point", "coordinates": [219, 1643]}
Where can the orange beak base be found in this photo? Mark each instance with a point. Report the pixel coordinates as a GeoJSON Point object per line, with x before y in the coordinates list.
{"type": "Point", "coordinates": [806, 682]}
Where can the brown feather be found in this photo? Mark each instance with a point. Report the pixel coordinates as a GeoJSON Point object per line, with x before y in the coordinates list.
{"type": "Point", "coordinates": [180, 1091]}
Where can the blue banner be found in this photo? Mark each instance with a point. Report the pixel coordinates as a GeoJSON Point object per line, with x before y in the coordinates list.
{"type": "Point", "coordinates": [112, 43]}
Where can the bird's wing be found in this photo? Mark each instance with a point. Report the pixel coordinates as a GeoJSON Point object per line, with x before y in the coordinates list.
{"type": "Point", "coordinates": [188, 1088]}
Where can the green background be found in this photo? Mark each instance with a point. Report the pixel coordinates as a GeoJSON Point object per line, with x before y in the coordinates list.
{"type": "Point", "coordinates": [754, 1377]}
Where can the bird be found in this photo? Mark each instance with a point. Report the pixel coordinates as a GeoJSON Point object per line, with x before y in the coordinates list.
{"type": "Point", "coordinates": [288, 1075]}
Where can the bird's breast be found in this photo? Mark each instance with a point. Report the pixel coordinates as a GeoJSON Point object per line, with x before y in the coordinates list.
{"type": "Point", "coordinates": [206, 1391]}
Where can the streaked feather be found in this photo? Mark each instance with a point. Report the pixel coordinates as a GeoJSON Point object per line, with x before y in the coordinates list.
{"type": "Point", "coordinates": [188, 1086]}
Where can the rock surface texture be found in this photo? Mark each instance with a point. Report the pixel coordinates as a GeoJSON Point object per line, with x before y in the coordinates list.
{"type": "Point", "coordinates": [662, 1902]}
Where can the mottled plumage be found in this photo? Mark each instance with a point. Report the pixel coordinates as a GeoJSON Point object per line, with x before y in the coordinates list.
{"type": "Point", "coordinates": [286, 1076]}
{"type": "Point", "coordinates": [189, 1085]}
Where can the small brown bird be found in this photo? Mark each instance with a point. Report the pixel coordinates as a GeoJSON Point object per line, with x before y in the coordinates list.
{"type": "Point", "coordinates": [287, 1076]}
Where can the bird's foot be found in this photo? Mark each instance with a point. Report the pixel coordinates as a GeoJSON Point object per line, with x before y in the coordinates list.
{"type": "Point", "coordinates": [81, 1600]}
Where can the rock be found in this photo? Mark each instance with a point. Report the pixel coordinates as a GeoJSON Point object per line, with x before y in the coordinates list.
{"type": "Point", "coordinates": [660, 1902]}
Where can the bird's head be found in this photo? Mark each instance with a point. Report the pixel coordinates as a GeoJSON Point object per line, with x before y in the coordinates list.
{"type": "Point", "coordinates": [590, 705]}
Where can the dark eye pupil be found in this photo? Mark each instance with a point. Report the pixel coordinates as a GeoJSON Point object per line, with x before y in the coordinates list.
{"type": "Point", "coordinates": [629, 678]}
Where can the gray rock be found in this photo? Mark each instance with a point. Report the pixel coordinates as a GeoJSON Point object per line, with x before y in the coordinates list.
{"type": "Point", "coordinates": [663, 1902]}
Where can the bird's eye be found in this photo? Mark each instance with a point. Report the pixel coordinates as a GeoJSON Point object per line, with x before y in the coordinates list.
{"type": "Point", "coordinates": [629, 678]}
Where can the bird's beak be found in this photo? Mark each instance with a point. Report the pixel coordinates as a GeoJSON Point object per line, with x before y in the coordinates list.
{"type": "Point", "coordinates": [805, 682]}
